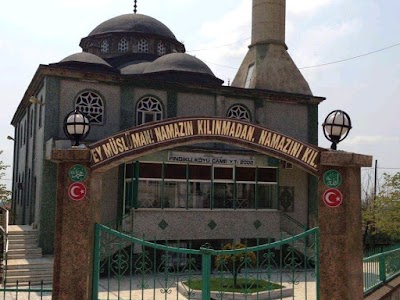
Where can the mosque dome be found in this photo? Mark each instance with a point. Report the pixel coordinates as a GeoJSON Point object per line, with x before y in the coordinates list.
{"type": "Point", "coordinates": [135, 68]}
{"type": "Point", "coordinates": [134, 23]}
{"type": "Point", "coordinates": [182, 68]}
{"type": "Point", "coordinates": [130, 38]}
{"type": "Point", "coordinates": [87, 61]}
{"type": "Point", "coordinates": [85, 57]}
{"type": "Point", "coordinates": [179, 62]}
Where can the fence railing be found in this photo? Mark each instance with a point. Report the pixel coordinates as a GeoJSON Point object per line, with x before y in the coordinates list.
{"type": "Point", "coordinates": [17, 291]}
{"type": "Point", "coordinates": [127, 267]}
{"type": "Point", "coordinates": [380, 268]}
{"type": "Point", "coordinates": [4, 220]}
{"type": "Point", "coordinates": [380, 249]}
{"type": "Point", "coordinates": [291, 225]}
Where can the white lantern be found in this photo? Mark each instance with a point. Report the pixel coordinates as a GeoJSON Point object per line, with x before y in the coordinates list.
{"type": "Point", "coordinates": [76, 126]}
{"type": "Point", "coordinates": [336, 127]}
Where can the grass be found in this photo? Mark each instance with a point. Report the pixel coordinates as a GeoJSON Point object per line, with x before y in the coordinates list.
{"type": "Point", "coordinates": [226, 285]}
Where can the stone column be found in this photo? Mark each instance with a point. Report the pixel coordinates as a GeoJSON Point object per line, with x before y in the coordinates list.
{"type": "Point", "coordinates": [74, 229]}
{"type": "Point", "coordinates": [340, 232]}
{"type": "Point", "coordinates": [268, 21]}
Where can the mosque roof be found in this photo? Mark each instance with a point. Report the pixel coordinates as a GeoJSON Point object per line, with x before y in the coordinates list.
{"type": "Point", "coordinates": [180, 62]}
{"type": "Point", "coordinates": [85, 57]}
{"type": "Point", "coordinates": [134, 23]}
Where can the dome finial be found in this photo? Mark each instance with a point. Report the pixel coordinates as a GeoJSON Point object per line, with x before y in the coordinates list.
{"type": "Point", "coordinates": [135, 6]}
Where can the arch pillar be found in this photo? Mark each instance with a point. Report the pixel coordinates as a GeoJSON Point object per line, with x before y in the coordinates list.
{"type": "Point", "coordinates": [74, 227]}
{"type": "Point", "coordinates": [340, 238]}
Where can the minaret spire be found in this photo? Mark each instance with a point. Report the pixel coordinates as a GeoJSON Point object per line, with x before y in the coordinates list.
{"type": "Point", "coordinates": [267, 64]}
{"type": "Point", "coordinates": [135, 6]}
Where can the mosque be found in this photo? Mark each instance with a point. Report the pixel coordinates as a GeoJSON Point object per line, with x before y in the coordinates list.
{"type": "Point", "coordinates": [133, 72]}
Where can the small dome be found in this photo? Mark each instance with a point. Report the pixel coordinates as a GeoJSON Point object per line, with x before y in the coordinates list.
{"type": "Point", "coordinates": [135, 68]}
{"type": "Point", "coordinates": [85, 57]}
{"type": "Point", "coordinates": [134, 23]}
{"type": "Point", "coordinates": [180, 62]}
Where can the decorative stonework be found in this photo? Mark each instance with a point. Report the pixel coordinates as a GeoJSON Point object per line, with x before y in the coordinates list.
{"type": "Point", "coordinates": [92, 106]}
{"type": "Point", "coordinates": [239, 112]}
{"type": "Point", "coordinates": [212, 224]}
{"type": "Point", "coordinates": [163, 224]}
{"type": "Point", "coordinates": [149, 109]}
{"type": "Point", "coordinates": [257, 224]}
{"type": "Point", "coordinates": [286, 198]}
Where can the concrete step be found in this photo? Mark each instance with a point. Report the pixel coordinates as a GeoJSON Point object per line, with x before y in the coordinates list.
{"type": "Point", "coordinates": [21, 250]}
{"type": "Point", "coordinates": [21, 228]}
{"type": "Point", "coordinates": [25, 262]}
{"type": "Point", "coordinates": [26, 280]}
{"type": "Point", "coordinates": [29, 272]}
{"type": "Point", "coordinates": [22, 233]}
{"type": "Point", "coordinates": [15, 246]}
{"type": "Point", "coordinates": [22, 238]}
{"type": "Point", "coordinates": [30, 263]}
{"type": "Point", "coordinates": [23, 255]}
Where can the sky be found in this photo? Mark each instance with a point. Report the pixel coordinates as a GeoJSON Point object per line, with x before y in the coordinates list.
{"type": "Point", "coordinates": [363, 34]}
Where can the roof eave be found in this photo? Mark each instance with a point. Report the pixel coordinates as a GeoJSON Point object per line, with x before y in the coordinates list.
{"type": "Point", "coordinates": [33, 88]}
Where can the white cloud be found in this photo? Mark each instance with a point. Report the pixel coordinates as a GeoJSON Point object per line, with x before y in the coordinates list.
{"type": "Point", "coordinates": [226, 40]}
{"type": "Point", "coordinates": [305, 6]}
{"type": "Point", "coordinates": [372, 140]}
{"type": "Point", "coordinates": [86, 3]}
{"type": "Point", "coordinates": [313, 46]}
{"type": "Point", "coordinates": [319, 44]}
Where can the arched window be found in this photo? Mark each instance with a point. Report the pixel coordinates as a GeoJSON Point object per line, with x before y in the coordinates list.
{"type": "Point", "coordinates": [92, 106]}
{"type": "Point", "coordinates": [148, 109]}
{"type": "Point", "coordinates": [123, 45]}
{"type": "Point", "coordinates": [161, 49]}
{"type": "Point", "coordinates": [104, 47]}
{"type": "Point", "coordinates": [143, 46]}
{"type": "Point", "coordinates": [239, 112]}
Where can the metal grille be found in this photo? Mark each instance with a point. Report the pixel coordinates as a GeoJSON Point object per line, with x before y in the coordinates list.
{"type": "Point", "coordinates": [130, 268]}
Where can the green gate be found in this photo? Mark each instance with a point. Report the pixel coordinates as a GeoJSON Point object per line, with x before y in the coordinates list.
{"type": "Point", "coordinates": [127, 267]}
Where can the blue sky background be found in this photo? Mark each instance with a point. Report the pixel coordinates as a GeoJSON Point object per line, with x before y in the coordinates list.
{"type": "Point", "coordinates": [317, 32]}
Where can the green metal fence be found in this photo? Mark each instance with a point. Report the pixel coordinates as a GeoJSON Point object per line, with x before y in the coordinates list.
{"type": "Point", "coordinates": [126, 267]}
{"type": "Point", "coordinates": [16, 292]}
{"type": "Point", "coordinates": [380, 268]}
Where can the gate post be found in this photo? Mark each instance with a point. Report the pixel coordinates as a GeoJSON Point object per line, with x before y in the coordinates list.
{"type": "Point", "coordinates": [339, 220]}
{"type": "Point", "coordinates": [76, 216]}
{"type": "Point", "coordinates": [206, 261]}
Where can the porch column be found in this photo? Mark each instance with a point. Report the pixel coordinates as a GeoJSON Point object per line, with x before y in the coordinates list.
{"type": "Point", "coordinates": [340, 232]}
{"type": "Point", "coordinates": [76, 215]}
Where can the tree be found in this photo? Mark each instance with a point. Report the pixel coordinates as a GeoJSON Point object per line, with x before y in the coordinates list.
{"type": "Point", "coordinates": [383, 213]}
{"type": "Point", "coordinates": [234, 262]}
{"type": "Point", "coordinates": [4, 193]}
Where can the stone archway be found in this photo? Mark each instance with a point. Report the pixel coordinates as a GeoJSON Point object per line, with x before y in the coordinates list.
{"type": "Point", "coordinates": [153, 137]}
{"type": "Point", "coordinates": [340, 247]}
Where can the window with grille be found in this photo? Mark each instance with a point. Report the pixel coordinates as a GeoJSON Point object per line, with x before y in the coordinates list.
{"type": "Point", "coordinates": [143, 46]}
{"type": "Point", "coordinates": [148, 109]}
{"type": "Point", "coordinates": [161, 49]}
{"type": "Point", "coordinates": [92, 106]}
{"type": "Point", "coordinates": [238, 112]}
{"type": "Point", "coordinates": [123, 45]}
{"type": "Point", "coordinates": [104, 47]}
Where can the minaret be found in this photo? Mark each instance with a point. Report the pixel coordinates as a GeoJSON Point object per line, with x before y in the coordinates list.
{"type": "Point", "coordinates": [267, 64]}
